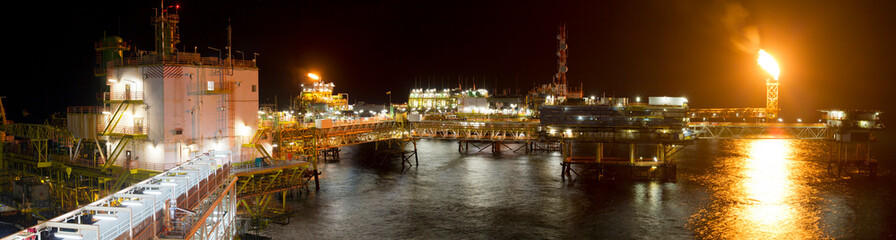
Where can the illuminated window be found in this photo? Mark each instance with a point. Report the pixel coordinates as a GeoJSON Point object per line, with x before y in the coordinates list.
{"type": "Point", "coordinates": [211, 85]}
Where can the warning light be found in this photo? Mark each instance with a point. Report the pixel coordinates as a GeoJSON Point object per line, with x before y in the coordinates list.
{"type": "Point", "coordinates": [177, 6]}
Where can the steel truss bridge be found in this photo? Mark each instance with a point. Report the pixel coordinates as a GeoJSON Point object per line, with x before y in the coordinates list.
{"type": "Point", "coordinates": [311, 144]}
{"type": "Point", "coordinates": [709, 130]}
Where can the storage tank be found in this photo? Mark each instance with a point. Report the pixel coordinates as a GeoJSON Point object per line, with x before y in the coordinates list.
{"type": "Point", "coordinates": [84, 122]}
{"type": "Point", "coordinates": [108, 49]}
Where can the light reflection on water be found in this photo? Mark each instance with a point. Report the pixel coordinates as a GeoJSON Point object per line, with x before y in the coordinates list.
{"type": "Point", "coordinates": [743, 189]}
{"type": "Point", "coordinates": [763, 192]}
{"type": "Point", "coordinates": [768, 187]}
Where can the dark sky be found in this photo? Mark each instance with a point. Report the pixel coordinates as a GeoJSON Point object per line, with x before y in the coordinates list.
{"type": "Point", "coordinates": [832, 53]}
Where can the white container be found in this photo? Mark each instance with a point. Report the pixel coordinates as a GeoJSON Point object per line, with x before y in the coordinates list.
{"type": "Point", "coordinates": [323, 123]}
{"type": "Point", "coordinates": [673, 101]}
{"type": "Point", "coordinates": [415, 117]}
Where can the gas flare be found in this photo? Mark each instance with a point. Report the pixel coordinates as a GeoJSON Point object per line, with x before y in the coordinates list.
{"type": "Point", "coordinates": [768, 63]}
{"type": "Point", "coordinates": [315, 77]}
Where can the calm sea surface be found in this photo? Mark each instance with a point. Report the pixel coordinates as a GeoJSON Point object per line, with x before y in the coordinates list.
{"type": "Point", "coordinates": [753, 189]}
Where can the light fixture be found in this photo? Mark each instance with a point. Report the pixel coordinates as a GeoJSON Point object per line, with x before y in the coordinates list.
{"type": "Point", "coordinates": [105, 217]}
{"type": "Point", "coordinates": [153, 192]}
{"type": "Point", "coordinates": [68, 235]}
{"type": "Point", "coordinates": [132, 203]}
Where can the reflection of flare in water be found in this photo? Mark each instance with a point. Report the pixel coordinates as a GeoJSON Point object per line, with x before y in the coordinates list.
{"type": "Point", "coordinates": [767, 184]}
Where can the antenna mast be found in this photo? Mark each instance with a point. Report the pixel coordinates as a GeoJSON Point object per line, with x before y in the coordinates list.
{"type": "Point", "coordinates": [561, 61]}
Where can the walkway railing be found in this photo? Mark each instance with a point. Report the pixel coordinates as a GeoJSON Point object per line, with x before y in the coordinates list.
{"type": "Point", "coordinates": [711, 130]}
{"type": "Point", "coordinates": [123, 96]}
{"type": "Point", "coordinates": [146, 209]}
{"type": "Point", "coordinates": [181, 58]}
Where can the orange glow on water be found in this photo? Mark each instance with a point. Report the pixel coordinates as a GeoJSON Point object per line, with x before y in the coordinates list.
{"type": "Point", "coordinates": [767, 185]}
{"type": "Point", "coordinates": [762, 192]}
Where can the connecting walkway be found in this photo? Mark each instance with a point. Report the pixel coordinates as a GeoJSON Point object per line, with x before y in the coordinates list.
{"type": "Point", "coordinates": [723, 130]}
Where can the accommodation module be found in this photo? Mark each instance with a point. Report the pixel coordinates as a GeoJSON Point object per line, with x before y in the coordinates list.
{"type": "Point", "coordinates": [163, 107]}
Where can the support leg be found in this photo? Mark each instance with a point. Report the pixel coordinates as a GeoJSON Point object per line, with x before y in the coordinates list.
{"type": "Point", "coordinates": [631, 159]}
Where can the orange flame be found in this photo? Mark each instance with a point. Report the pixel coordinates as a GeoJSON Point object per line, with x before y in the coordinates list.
{"type": "Point", "coordinates": [768, 63]}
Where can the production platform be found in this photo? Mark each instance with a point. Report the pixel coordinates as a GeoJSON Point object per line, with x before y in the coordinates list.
{"type": "Point", "coordinates": [180, 148]}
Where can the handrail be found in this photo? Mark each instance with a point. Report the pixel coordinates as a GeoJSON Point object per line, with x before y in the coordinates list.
{"type": "Point", "coordinates": [123, 96]}
{"type": "Point", "coordinates": [85, 110]}
{"type": "Point", "coordinates": [186, 176]}
{"type": "Point", "coordinates": [210, 209]}
{"type": "Point", "coordinates": [125, 130]}
{"type": "Point", "coordinates": [182, 58]}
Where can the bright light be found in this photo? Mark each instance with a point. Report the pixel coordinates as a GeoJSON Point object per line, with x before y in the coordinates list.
{"type": "Point", "coordinates": [313, 76]}
{"type": "Point", "coordinates": [768, 63]}
{"type": "Point", "coordinates": [768, 183]}
{"type": "Point", "coordinates": [243, 130]}
{"type": "Point", "coordinates": [799, 120]}
{"type": "Point", "coordinates": [106, 113]}
{"type": "Point", "coordinates": [132, 203]}
{"type": "Point", "coordinates": [153, 192]}
{"type": "Point", "coordinates": [780, 120]}
{"type": "Point", "coordinates": [105, 217]}
{"type": "Point", "coordinates": [68, 235]}
{"type": "Point", "coordinates": [637, 99]}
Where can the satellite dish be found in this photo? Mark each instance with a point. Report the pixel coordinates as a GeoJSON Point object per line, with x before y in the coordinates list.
{"type": "Point", "coordinates": [563, 46]}
{"type": "Point", "coordinates": [558, 53]}
{"type": "Point", "coordinates": [563, 69]}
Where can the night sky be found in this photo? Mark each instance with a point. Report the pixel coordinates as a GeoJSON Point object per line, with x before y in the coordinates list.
{"type": "Point", "coordinates": [832, 53]}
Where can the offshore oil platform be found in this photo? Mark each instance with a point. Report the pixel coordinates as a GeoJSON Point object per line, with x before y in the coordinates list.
{"type": "Point", "coordinates": [179, 147]}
